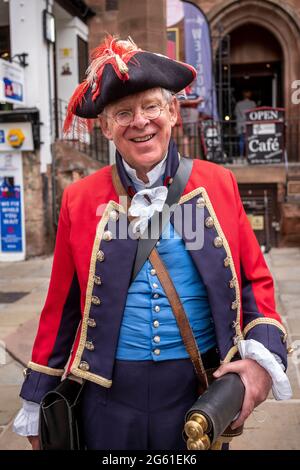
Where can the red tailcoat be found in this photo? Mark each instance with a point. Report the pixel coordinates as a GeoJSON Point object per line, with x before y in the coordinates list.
{"type": "Point", "coordinates": [91, 275]}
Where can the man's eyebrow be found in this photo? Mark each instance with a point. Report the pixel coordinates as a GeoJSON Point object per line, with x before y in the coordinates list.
{"type": "Point", "coordinates": [122, 108]}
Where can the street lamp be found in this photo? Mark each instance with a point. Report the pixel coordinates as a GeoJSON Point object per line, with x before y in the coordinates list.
{"type": "Point", "coordinates": [48, 26]}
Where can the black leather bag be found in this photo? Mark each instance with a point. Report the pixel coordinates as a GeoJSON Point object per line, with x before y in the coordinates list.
{"type": "Point", "coordinates": [59, 422]}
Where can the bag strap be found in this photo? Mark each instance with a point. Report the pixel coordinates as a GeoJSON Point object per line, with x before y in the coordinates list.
{"type": "Point", "coordinates": [181, 318]}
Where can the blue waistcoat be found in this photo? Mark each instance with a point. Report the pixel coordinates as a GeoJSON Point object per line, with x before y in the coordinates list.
{"type": "Point", "coordinates": [149, 330]}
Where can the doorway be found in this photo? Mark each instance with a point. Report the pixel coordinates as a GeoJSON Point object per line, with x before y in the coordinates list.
{"type": "Point", "coordinates": [263, 80]}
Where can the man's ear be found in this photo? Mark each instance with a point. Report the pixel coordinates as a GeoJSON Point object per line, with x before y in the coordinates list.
{"type": "Point", "coordinates": [105, 127]}
{"type": "Point", "coordinates": [173, 109]}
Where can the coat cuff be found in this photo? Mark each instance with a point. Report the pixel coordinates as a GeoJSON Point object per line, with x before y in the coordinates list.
{"type": "Point", "coordinates": [251, 349]}
{"type": "Point", "coordinates": [273, 337]}
{"type": "Point", "coordinates": [37, 384]}
{"type": "Point", "coordinates": [26, 422]}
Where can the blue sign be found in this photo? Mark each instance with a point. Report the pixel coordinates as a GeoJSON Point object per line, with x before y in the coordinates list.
{"type": "Point", "coordinates": [13, 89]}
{"type": "Point", "coordinates": [2, 137]}
{"type": "Point", "coordinates": [198, 52]}
{"type": "Point", "coordinates": [10, 218]}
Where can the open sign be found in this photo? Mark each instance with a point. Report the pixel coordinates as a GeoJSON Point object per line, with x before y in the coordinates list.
{"type": "Point", "coordinates": [265, 135]}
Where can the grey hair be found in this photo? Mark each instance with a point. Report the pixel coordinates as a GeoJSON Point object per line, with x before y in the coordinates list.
{"type": "Point", "coordinates": [167, 95]}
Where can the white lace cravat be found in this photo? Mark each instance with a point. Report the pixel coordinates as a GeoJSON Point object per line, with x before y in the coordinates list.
{"type": "Point", "coordinates": [144, 204]}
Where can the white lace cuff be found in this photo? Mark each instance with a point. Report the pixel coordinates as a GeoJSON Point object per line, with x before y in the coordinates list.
{"type": "Point", "coordinates": [252, 349]}
{"type": "Point", "coordinates": [26, 422]}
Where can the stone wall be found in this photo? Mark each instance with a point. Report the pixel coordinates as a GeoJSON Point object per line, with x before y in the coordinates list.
{"type": "Point", "coordinates": [290, 231]}
{"type": "Point", "coordinates": [36, 202]}
{"type": "Point", "coordinates": [105, 21]}
{"type": "Point", "coordinates": [144, 20]}
{"type": "Point", "coordinates": [70, 165]}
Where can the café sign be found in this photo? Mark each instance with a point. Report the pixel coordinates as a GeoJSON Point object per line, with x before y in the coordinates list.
{"type": "Point", "coordinates": [265, 135]}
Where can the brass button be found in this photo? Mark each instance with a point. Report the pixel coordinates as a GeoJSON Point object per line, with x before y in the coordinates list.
{"type": "Point", "coordinates": [91, 322]}
{"type": "Point", "coordinates": [218, 242]}
{"type": "Point", "coordinates": [96, 300]}
{"type": "Point", "coordinates": [97, 280]}
{"type": "Point", "coordinates": [209, 222]}
{"type": "Point", "coordinates": [156, 352]}
{"type": "Point", "coordinates": [237, 339]}
{"type": "Point", "coordinates": [152, 272]}
{"type": "Point", "coordinates": [113, 215]}
{"type": "Point", "coordinates": [200, 202]}
{"type": "Point", "coordinates": [234, 305]}
{"type": "Point", "coordinates": [232, 283]}
{"type": "Point", "coordinates": [89, 345]}
{"type": "Point", "coordinates": [107, 236]}
{"type": "Point", "coordinates": [157, 308]}
{"type": "Point", "coordinates": [84, 366]}
{"type": "Point", "coordinates": [156, 339]}
{"type": "Point", "coordinates": [227, 262]}
{"type": "Point", "coordinates": [156, 323]}
{"type": "Point", "coordinates": [290, 350]}
{"type": "Point", "coordinates": [100, 256]}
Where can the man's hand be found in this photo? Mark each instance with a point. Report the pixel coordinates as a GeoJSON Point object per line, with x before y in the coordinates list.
{"type": "Point", "coordinates": [257, 383]}
{"type": "Point", "coordinates": [35, 442]}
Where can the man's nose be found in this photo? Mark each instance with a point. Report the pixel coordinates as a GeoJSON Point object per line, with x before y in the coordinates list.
{"type": "Point", "coordinates": [139, 120]}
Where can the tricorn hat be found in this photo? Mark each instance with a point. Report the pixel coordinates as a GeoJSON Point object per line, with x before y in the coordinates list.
{"type": "Point", "coordinates": [118, 69]}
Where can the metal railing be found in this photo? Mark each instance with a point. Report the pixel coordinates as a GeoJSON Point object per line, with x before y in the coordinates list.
{"type": "Point", "coordinates": [93, 143]}
{"type": "Point", "coordinates": [219, 141]}
{"type": "Point", "coordinates": [215, 141]}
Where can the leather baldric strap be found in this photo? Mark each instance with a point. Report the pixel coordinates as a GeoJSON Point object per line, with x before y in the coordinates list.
{"type": "Point", "coordinates": [148, 250]}
{"type": "Point", "coordinates": [160, 219]}
{"type": "Point", "coordinates": [181, 318]}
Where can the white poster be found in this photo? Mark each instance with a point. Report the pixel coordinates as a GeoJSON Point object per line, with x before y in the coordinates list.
{"type": "Point", "coordinates": [12, 224]}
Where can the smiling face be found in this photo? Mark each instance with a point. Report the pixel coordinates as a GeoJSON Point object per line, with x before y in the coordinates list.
{"type": "Point", "coordinates": [144, 142]}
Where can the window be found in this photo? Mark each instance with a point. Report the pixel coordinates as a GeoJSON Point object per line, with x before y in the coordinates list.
{"type": "Point", "coordinates": [4, 42]}
{"type": "Point", "coordinates": [82, 58]}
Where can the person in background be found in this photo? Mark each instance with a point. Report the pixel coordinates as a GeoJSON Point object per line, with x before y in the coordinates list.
{"type": "Point", "coordinates": [190, 121]}
{"type": "Point", "coordinates": [241, 106]}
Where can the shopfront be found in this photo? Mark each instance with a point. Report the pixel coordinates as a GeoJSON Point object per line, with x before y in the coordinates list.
{"type": "Point", "coordinates": [15, 139]}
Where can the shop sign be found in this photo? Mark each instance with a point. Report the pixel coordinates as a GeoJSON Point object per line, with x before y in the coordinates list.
{"type": "Point", "coordinates": [11, 83]}
{"type": "Point", "coordinates": [16, 136]}
{"type": "Point", "coordinates": [256, 221]}
{"type": "Point", "coordinates": [212, 141]}
{"type": "Point", "coordinates": [265, 135]}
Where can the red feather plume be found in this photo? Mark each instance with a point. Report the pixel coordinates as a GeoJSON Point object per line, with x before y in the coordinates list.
{"type": "Point", "coordinates": [111, 51]}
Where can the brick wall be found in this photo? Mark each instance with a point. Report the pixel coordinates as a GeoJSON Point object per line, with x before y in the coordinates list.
{"type": "Point", "coordinates": [36, 201]}
{"type": "Point", "coordinates": [70, 164]}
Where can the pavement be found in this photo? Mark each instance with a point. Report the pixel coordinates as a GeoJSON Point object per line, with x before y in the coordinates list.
{"type": "Point", "coordinates": [23, 289]}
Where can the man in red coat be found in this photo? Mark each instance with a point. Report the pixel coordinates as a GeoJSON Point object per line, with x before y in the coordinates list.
{"type": "Point", "coordinates": [118, 327]}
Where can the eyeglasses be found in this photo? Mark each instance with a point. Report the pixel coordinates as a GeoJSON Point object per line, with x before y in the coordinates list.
{"type": "Point", "coordinates": [151, 111]}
